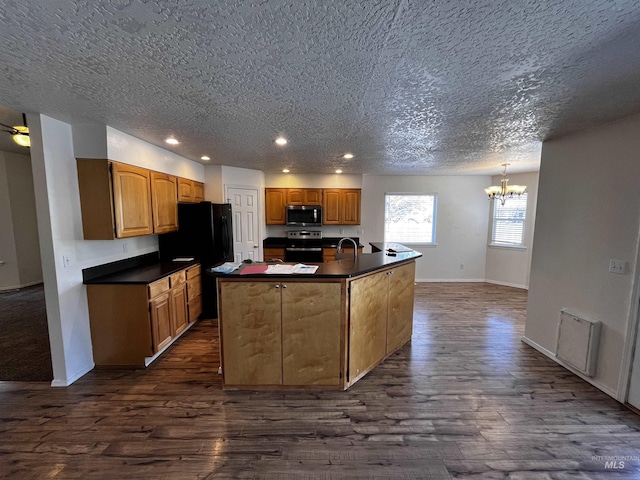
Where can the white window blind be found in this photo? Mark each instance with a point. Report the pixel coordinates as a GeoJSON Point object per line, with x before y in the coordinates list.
{"type": "Point", "coordinates": [508, 221]}
{"type": "Point", "coordinates": [409, 218]}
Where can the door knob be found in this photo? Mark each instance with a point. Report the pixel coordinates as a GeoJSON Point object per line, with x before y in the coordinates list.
{"type": "Point", "coordinates": [255, 246]}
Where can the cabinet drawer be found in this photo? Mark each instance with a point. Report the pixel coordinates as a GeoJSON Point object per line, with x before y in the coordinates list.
{"type": "Point", "coordinates": [178, 278]}
{"type": "Point", "coordinates": [194, 287]}
{"type": "Point", "coordinates": [156, 288]}
{"type": "Point", "coordinates": [193, 271]}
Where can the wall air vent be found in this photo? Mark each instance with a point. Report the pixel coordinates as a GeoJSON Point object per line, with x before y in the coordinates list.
{"type": "Point", "coordinates": [578, 340]}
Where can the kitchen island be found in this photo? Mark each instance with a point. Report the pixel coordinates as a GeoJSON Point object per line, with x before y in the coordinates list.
{"type": "Point", "coordinates": [324, 330]}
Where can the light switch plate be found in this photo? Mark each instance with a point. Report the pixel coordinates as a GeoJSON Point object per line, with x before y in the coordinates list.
{"type": "Point", "coordinates": [618, 266]}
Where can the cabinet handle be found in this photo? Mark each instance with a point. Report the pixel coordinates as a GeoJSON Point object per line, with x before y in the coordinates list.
{"type": "Point", "coordinates": [278, 286]}
{"type": "Point", "coordinates": [284, 286]}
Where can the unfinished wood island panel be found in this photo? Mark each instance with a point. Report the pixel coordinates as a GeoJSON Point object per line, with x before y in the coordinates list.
{"type": "Point", "coordinates": [251, 330]}
{"type": "Point", "coordinates": [311, 333]}
{"type": "Point", "coordinates": [367, 323]}
{"type": "Point", "coordinates": [400, 306]}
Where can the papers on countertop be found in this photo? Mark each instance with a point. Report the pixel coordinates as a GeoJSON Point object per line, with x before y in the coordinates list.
{"type": "Point", "coordinates": [282, 269]}
{"type": "Point", "coordinates": [226, 267]}
{"type": "Point", "coordinates": [183, 259]}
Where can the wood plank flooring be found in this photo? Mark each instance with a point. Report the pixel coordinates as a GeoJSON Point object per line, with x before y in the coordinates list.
{"type": "Point", "coordinates": [465, 399]}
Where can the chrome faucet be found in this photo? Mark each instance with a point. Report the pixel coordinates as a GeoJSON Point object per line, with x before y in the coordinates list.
{"type": "Point", "coordinates": [355, 246]}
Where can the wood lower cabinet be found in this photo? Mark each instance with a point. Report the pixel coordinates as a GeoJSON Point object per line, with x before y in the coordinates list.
{"type": "Point", "coordinates": [120, 201]}
{"type": "Point", "coordinates": [131, 323]}
{"type": "Point", "coordinates": [273, 254]}
{"type": "Point", "coordinates": [164, 190]}
{"type": "Point", "coordinates": [341, 206]}
{"type": "Point", "coordinates": [329, 254]}
{"type": "Point", "coordinates": [280, 333]}
{"type": "Point", "coordinates": [194, 293]}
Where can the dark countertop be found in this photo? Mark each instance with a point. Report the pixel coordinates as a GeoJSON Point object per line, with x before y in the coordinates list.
{"type": "Point", "coordinates": [327, 242]}
{"type": "Point", "coordinates": [142, 274]}
{"type": "Point", "coordinates": [345, 268]}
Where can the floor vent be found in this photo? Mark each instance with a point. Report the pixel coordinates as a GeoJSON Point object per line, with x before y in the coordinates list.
{"type": "Point", "coordinates": [578, 340]}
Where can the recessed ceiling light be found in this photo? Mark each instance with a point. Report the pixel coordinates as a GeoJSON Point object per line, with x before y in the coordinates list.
{"type": "Point", "coordinates": [281, 141]}
{"type": "Point", "coordinates": [348, 156]}
{"type": "Point", "coordinates": [285, 170]}
{"type": "Point", "coordinates": [171, 141]}
{"type": "Point", "coordinates": [338, 171]}
{"type": "Point", "coordinates": [204, 157]}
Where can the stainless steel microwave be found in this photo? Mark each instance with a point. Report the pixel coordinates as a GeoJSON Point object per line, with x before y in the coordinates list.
{"type": "Point", "coordinates": [304, 215]}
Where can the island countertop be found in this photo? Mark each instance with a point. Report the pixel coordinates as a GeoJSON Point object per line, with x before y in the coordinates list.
{"type": "Point", "coordinates": [344, 268]}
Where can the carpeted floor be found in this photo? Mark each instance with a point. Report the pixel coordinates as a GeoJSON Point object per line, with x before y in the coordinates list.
{"type": "Point", "coordinates": [25, 354]}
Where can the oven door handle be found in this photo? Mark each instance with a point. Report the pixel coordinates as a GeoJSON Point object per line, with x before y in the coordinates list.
{"type": "Point", "coordinates": [303, 249]}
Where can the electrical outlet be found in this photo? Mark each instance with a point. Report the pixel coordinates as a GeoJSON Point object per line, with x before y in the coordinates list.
{"type": "Point", "coordinates": [462, 266]}
{"type": "Point", "coordinates": [342, 231]}
{"type": "Point", "coordinates": [618, 266]}
{"type": "Point", "coordinates": [360, 231]}
{"type": "Point", "coordinates": [125, 247]}
{"type": "Point", "coordinates": [66, 261]}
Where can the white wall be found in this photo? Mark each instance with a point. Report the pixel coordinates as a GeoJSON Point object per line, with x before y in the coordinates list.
{"type": "Point", "coordinates": [461, 222]}
{"type": "Point", "coordinates": [19, 247]}
{"type": "Point", "coordinates": [507, 265]}
{"type": "Point", "coordinates": [60, 226]}
{"type": "Point", "coordinates": [588, 213]}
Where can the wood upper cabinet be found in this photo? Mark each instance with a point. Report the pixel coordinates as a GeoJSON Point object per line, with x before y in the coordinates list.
{"type": "Point", "coordinates": [164, 190]}
{"type": "Point", "coordinates": [275, 204]}
{"type": "Point", "coordinates": [341, 206]}
{"type": "Point", "coordinates": [190, 191]}
{"type": "Point", "coordinates": [304, 196]}
{"type": "Point", "coordinates": [119, 200]}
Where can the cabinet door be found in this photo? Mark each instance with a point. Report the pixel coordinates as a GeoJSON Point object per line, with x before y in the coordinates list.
{"type": "Point", "coordinates": [331, 207]}
{"type": "Point", "coordinates": [311, 333]}
{"type": "Point", "coordinates": [179, 314]}
{"type": "Point", "coordinates": [350, 208]}
{"type": "Point", "coordinates": [164, 191]}
{"type": "Point", "coordinates": [273, 253]}
{"type": "Point", "coordinates": [198, 192]}
{"type": "Point", "coordinates": [368, 323]}
{"type": "Point", "coordinates": [131, 200]}
{"type": "Point", "coordinates": [251, 333]}
{"type": "Point", "coordinates": [185, 190]}
{"type": "Point", "coordinates": [400, 313]}
{"type": "Point", "coordinates": [295, 196]}
{"type": "Point", "coordinates": [195, 308]}
{"type": "Point", "coordinates": [161, 327]}
{"type": "Point", "coordinates": [312, 196]}
{"type": "Point", "coordinates": [275, 203]}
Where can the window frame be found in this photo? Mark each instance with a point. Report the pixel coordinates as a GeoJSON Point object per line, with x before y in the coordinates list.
{"type": "Point", "coordinates": [434, 229]}
{"type": "Point", "coordinates": [492, 226]}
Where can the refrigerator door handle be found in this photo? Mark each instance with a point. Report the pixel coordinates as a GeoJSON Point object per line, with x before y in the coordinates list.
{"type": "Point", "coordinates": [225, 235]}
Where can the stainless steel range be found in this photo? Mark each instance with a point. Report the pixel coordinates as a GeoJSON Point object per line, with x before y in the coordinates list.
{"type": "Point", "coordinates": [303, 246]}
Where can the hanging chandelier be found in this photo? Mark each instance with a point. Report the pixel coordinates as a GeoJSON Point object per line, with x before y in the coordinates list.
{"type": "Point", "coordinates": [505, 190]}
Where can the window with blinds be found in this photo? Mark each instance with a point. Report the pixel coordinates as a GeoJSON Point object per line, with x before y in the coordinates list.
{"type": "Point", "coordinates": [409, 218]}
{"type": "Point", "coordinates": [508, 221]}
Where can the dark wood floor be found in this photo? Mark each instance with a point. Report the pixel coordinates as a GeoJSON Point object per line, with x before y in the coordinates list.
{"type": "Point", "coordinates": [465, 399]}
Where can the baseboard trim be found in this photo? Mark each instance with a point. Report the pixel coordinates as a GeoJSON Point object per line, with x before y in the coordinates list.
{"type": "Point", "coordinates": [450, 280]}
{"type": "Point", "coordinates": [552, 356]}
{"type": "Point", "coordinates": [507, 284]}
{"type": "Point", "coordinates": [68, 381]}
{"type": "Point", "coordinates": [22, 285]}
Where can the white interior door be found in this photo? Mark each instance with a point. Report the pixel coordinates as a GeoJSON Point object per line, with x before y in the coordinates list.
{"type": "Point", "coordinates": [244, 205]}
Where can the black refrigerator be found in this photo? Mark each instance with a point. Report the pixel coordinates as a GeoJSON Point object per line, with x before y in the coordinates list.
{"type": "Point", "coordinates": [205, 233]}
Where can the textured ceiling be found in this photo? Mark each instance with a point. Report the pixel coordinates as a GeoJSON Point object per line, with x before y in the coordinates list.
{"type": "Point", "coordinates": [409, 87]}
